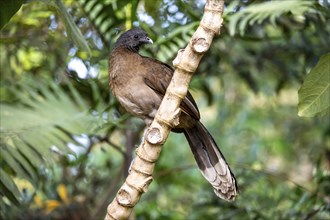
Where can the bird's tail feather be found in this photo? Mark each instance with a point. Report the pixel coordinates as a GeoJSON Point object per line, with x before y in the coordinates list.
{"type": "Point", "coordinates": [211, 162]}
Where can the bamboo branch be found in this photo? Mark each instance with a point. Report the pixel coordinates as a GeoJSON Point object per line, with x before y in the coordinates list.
{"type": "Point", "coordinates": [148, 152]}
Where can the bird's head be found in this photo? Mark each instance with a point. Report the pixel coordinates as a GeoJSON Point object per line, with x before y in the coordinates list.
{"type": "Point", "coordinates": [133, 39]}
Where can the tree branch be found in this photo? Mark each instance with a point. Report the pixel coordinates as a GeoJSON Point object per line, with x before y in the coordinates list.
{"type": "Point", "coordinates": [168, 113]}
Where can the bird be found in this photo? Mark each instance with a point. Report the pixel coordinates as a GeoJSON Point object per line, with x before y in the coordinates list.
{"type": "Point", "coordinates": [139, 83]}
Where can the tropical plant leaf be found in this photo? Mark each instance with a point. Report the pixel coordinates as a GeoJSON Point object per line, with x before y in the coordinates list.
{"type": "Point", "coordinates": [177, 39]}
{"type": "Point", "coordinates": [7, 10]}
{"type": "Point", "coordinates": [108, 17]}
{"type": "Point", "coordinates": [48, 118]}
{"type": "Point", "coordinates": [8, 188]}
{"type": "Point", "coordinates": [257, 13]}
{"type": "Point", "coordinates": [71, 27]}
{"type": "Point", "coordinates": [314, 94]}
{"type": "Point", "coordinates": [112, 17]}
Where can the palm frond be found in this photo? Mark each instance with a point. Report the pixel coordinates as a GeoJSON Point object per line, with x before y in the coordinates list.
{"type": "Point", "coordinates": [257, 13]}
{"type": "Point", "coordinates": [169, 45]}
{"type": "Point", "coordinates": [108, 16]}
{"type": "Point", "coordinates": [46, 117]}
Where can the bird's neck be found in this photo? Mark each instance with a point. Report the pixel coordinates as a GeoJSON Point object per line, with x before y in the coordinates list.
{"type": "Point", "coordinates": [121, 62]}
{"type": "Point", "coordinates": [134, 49]}
{"type": "Point", "coordinates": [121, 59]}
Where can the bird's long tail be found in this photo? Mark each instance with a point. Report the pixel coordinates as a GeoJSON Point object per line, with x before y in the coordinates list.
{"type": "Point", "coordinates": [211, 162]}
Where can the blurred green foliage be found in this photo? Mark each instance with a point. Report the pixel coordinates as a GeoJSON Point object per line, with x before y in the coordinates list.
{"type": "Point", "coordinates": [66, 145]}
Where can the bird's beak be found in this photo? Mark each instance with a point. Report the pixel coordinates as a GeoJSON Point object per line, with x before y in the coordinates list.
{"type": "Point", "coordinates": [149, 41]}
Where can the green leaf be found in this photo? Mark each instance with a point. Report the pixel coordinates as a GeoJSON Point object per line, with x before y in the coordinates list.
{"type": "Point", "coordinates": [7, 10]}
{"type": "Point", "coordinates": [48, 117]}
{"type": "Point", "coordinates": [71, 28]}
{"type": "Point", "coordinates": [175, 40]}
{"type": "Point", "coordinates": [109, 16]}
{"type": "Point", "coordinates": [257, 13]}
{"type": "Point", "coordinates": [9, 188]}
{"type": "Point", "coordinates": [314, 94]}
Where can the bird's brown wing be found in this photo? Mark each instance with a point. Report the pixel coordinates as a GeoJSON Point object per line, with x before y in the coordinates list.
{"type": "Point", "coordinates": [159, 77]}
{"type": "Point", "coordinates": [209, 158]}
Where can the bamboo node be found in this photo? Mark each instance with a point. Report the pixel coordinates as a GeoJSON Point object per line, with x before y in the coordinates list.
{"type": "Point", "coordinates": [200, 45]}
{"type": "Point", "coordinates": [124, 198]}
{"type": "Point", "coordinates": [142, 154]}
{"type": "Point", "coordinates": [143, 185]}
{"type": "Point", "coordinates": [154, 136]}
{"type": "Point", "coordinates": [215, 10]}
{"type": "Point", "coordinates": [215, 30]}
{"type": "Point", "coordinates": [147, 182]}
{"type": "Point", "coordinates": [178, 58]}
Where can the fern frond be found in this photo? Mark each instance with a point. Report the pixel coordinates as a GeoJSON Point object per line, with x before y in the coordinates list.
{"type": "Point", "coordinates": [108, 16]}
{"type": "Point", "coordinates": [177, 39]}
{"type": "Point", "coordinates": [257, 13]}
{"type": "Point", "coordinates": [46, 117]}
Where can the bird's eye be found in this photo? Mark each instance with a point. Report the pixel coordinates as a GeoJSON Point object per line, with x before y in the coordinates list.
{"type": "Point", "coordinates": [136, 36]}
